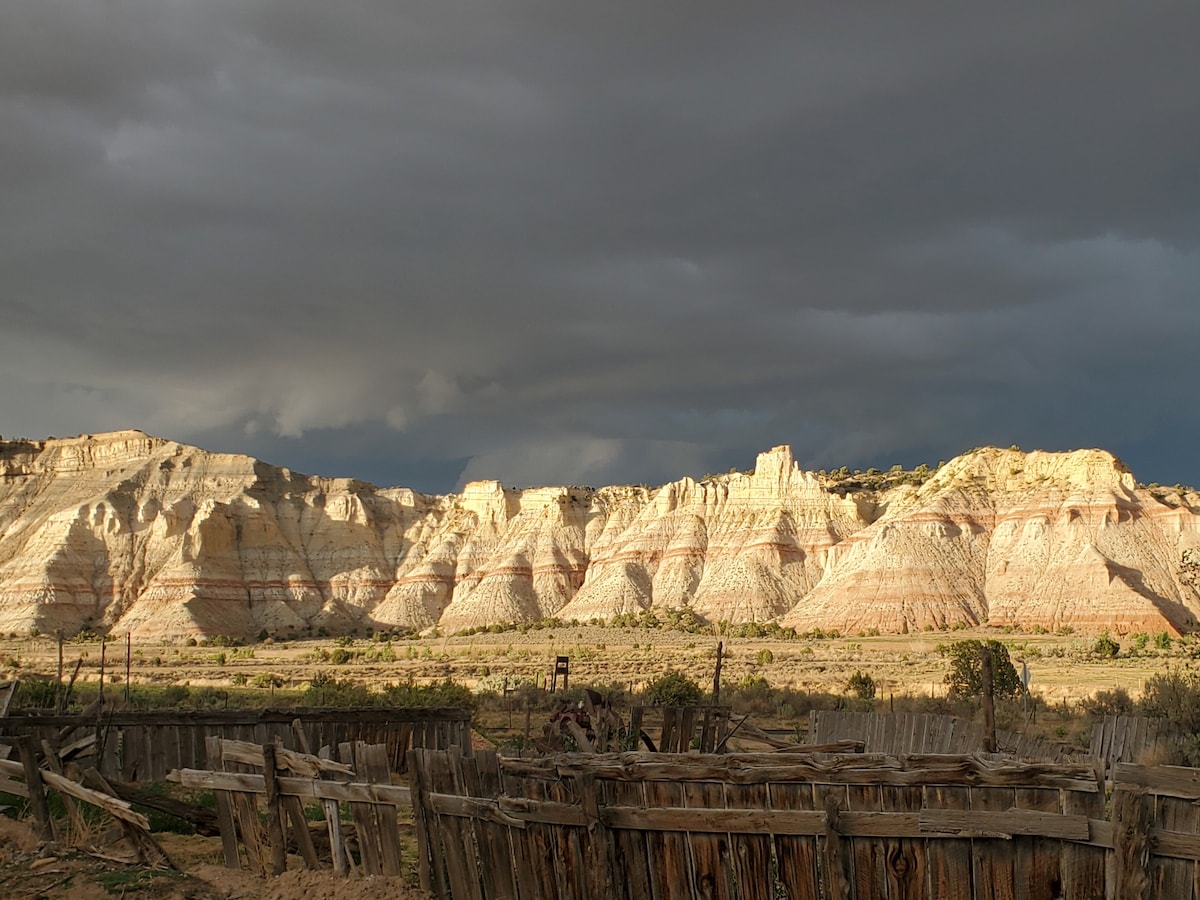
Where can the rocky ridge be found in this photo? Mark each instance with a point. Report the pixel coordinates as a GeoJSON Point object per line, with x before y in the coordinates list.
{"type": "Point", "coordinates": [126, 532]}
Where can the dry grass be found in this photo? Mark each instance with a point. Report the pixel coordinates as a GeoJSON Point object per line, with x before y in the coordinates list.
{"type": "Point", "coordinates": [1061, 667]}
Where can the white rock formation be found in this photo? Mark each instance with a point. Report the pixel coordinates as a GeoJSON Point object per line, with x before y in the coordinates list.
{"type": "Point", "coordinates": [131, 533]}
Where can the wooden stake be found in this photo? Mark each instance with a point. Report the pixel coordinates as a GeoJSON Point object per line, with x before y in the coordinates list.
{"type": "Point", "coordinates": [274, 816]}
{"type": "Point", "coordinates": [716, 693]}
{"type": "Point", "coordinates": [989, 704]}
{"type": "Point", "coordinates": [37, 793]}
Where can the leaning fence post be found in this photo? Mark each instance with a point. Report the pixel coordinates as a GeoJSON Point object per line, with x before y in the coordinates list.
{"type": "Point", "coordinates": [418, 785]}
{"type": "Point", "coordinates": [229, 843]}
{"type": "Point", "coordinates": [274, 817]}
{"type": "Point", "coordinates": [37, 792]}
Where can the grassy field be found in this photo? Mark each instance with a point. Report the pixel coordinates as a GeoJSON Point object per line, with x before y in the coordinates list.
{"type": "Point", "coordinates": [1062, 667]}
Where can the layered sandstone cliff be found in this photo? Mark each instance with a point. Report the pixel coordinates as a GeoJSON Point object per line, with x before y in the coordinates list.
{"type": "Point", "coordinates": [126, 532]}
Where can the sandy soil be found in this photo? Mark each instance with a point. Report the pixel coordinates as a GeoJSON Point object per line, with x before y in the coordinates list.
{"type": "Point", "coordinates": [80, 876]}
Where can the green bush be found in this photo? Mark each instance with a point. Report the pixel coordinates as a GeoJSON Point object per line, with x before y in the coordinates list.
{"type": "Point", "coordinates": [862, 686]}
{"type": "Point", "coordinates": [1116, 702]}
{"type": "Point", "coordinates": [1106, 646]}
{"type": "Point", "coordinates": [446, 693]}
{"type": "Point", "coordinates": [965, 678]}
{"type": "Point", "coordinates": [672, 689]}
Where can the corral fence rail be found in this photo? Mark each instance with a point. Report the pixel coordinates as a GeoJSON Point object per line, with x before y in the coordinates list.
{"type": "Point", "coordinates": [901, 733]}
{"type": "Point", "coordinates": [766, 825]}
{"type": "Point", "coordinates": [146, 745]}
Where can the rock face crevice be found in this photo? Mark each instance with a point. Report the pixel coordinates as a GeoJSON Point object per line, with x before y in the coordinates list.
{"type": "Point", "coordinates": [126, 532]}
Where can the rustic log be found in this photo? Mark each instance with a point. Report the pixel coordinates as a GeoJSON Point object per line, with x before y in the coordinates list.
{"type": "Point", "coordinates": [203, 820]}
{"type": "Point", "coordinates": [78, 827]}
{"type": "Point", "coordinates": [137, 830]}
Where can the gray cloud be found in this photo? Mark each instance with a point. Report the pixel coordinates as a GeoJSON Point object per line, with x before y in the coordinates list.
{"type": "Point", "coordinates": [585, 243]}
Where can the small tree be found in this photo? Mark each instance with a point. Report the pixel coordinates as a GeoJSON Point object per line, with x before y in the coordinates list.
{"type": "Point", "coordinates": [672, 689]}
{"type": "Point", "coordinates": [965, 677]}
{"type": "Point", "coordinates": [862, 686]}
{"type": "Point", "coordinates": [1106, 646]}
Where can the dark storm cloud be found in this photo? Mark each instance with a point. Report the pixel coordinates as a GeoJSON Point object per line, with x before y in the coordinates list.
{"type": "Point", "coordinates": [588, 242]}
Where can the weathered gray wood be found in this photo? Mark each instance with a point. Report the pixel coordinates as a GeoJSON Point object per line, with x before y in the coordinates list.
{"type": "Point", "coordinates": [229, 842]}
{"type": "Point", "coordinates": [388, 835]}
{"type": "Point", "coordinates": [148, 850]}
{"type": "Point", "coordinates": [866, 855]}
{"type": "Point", "coordinates": [949, 860]}
{"type": "Point", "coordinates": [835, 856]}
{"type": "Point", "coordinates": [781, 769]}
{"type": "Point", "coordinates": [905, 860]}
{"type": "Point", "coordinates": [1164, 781]}
{"type": "Point", "coordinates": [363, 814]}
{"type": "Point", "coordinates": [797, 855]}
{"type": "Point", "coordinates": [33, 783]}
{"type": "Point", "coordinates": [306, 788]}
{"type": "Point", "coordinates": [1131, 826]}
{"type": "Point", "coordinates": [1039, 862]}
{"type": "Point", "coordinates": [274, 812]}
{"type": "Point", "coordinates": [750, 855]}
{"type": "Point", "coordinates": [995, 861]}
{"type": "Point", "coordinates": [333, 824]}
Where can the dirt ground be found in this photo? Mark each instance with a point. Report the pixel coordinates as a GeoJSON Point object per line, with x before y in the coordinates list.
{"type": "Point", "coordinates": [80, 876]}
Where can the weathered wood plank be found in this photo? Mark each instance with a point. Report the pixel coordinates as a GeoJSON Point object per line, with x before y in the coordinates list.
{"type": "Point", "coordinates": [1131, 834]}
{"type": "Point", "coordinates": [710, 851]}
{"type": "Point", "coordinates": [1039, 861]}
{"type": "Point", "coordinates": [867, 861]}
{"type": "Point", "coordinates": [750, 855]}
{"type": "Point", "coordinates": [1165, 781]}
{"type": "Point", "coordinates": [905, 860]}
{"type": "Point", "coordinates": [793, 768]}
{"type": "Point", "coordinates": [949, 860]}
{"type": "Point", "coordinates": [671, 878]}
{"type": "Point", "coordinates": [377, 771]}
{"type": "Point", "coordinates": [632, 878]}
{"type": "Point", "coordinates": [481, 775]}
{"type": "Point", "coordinates": [796, 855]}
{"type": "Point", "coordinates": [995, 860]}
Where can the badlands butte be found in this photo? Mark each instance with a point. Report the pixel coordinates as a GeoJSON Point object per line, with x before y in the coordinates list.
{"type": "Point", "coordinates": [125, 532]}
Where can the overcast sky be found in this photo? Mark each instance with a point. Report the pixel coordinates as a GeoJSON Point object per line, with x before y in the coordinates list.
{"type": "Point", "coordinates": [551, 242]}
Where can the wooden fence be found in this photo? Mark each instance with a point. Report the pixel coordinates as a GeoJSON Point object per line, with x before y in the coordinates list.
{"type": "Point", "coordinates": [147, 745]}
{"type": "Point", "coordinates": [759, 826]}
{"type": "Point", "coordinates": [903, 733]}
{"type": "Point", "coordinates": [241, 774]}
{"type": "Point", "coordinates": [1131, 739]}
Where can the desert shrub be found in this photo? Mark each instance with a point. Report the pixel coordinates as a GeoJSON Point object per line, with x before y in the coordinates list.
{"type": "Point", "coordinates": [1116, 702]}
{"type": "Point", "coordinates": [1162, 641]}
{"type": "Point", "coordinates": [36, 693]}
{"type": "Point", "coordinates": [965, 678]}
{"type": "Point", "coordinates": [325, 689]}
{"type": "Point", "coordinates": [1175, 696]}
{"type": "Point", "coordinates": [1106, 646]}
{"type": "Point", "coordinates": [672, 689]}
{"type": "Point", "coordinates": [862, 686]}
{"type": "Point", "coordinates": [753, 695]}
{"type": "Point", "coordinates": [441, 693]}
{"type": "Point", "coordinates": [764, 657]}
